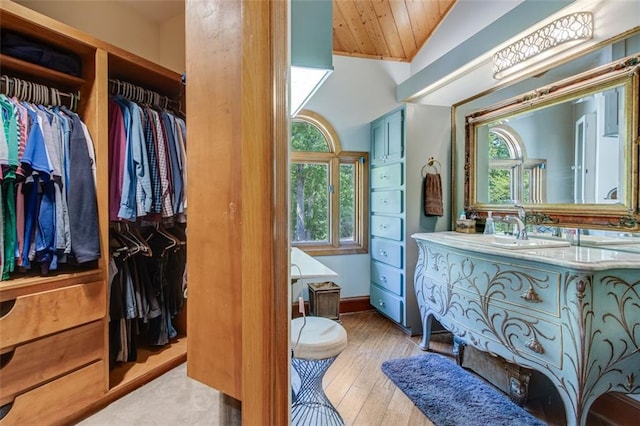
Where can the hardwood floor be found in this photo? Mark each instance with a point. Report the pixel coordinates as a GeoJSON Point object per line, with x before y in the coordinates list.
{"type": "Point", "coordinates": [364, 395]}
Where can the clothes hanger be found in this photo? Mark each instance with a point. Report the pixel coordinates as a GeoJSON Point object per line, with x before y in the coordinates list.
{"type": "Point", "coordinates": [132, 247]}
{"type": "Point", "coordinates": [143, 246]}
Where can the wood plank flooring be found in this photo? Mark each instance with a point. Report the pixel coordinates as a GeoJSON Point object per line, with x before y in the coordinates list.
{"type": "Point", "coordinates": [364, 395]}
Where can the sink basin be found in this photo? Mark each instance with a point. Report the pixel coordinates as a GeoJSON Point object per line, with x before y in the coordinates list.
{"type": "Point", "coordinates": [532, 243]}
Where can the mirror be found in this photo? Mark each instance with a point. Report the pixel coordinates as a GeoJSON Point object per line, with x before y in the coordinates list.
{"type": "Point", "coordinates": [567, 152]}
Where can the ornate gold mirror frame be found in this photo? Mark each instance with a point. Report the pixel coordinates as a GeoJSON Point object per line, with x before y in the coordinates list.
{"type": "Point", "coordinates": [622, 212]}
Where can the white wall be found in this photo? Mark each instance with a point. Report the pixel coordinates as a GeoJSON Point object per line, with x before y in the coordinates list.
{"type": "Point", "coordinates": [121, 26]}
{"type": "Point", "coordinates": [356, 93]}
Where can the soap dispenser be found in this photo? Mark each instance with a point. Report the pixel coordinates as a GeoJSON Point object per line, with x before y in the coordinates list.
{"type": "Point", "coordinates": [489, 227]}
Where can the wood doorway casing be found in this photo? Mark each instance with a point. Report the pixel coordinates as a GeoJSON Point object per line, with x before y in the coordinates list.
{"type": "Point", "coordinates": [238, 264]}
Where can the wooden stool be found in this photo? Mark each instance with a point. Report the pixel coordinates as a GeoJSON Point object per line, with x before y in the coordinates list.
{"type": "Point", "coordinates": [315, 342]}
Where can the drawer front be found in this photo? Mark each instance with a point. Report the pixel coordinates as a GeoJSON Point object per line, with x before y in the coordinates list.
{"type": "Point", "coordinates": [386, 176]}
{"type": "Point", "coordinates": [509, 332]}
{"type": "Point", "coordinates": [48, 312]}
{"type": "Point", "coordinates": [387, 251]}
{"type": "Point", "coordinates": [388, 278]}
{"type": "Point", "coordinates": [387, 303]}
{"type": "Point", "coordinates": [34, 363]}
{"type": "Point", "coordinates": [386, 202]}
{"type": "Point", "coordinates": [387, 227]}
{"type": "Point", "coordinates": [519, 287]}
{"type": "Point", "coordinates": [53, 402]}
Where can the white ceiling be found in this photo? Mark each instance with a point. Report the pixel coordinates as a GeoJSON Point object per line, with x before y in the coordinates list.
{"type": "Point", "coordinates": [156, 10]}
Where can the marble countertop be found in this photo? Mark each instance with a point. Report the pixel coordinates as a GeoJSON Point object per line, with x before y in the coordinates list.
{"type": "Point", "coordinates": [584, 258]}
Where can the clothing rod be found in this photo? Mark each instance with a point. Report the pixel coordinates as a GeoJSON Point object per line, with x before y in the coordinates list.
{"type": "Point", "coordinates": [29, 91]}
{"type": "Point", "coordinates": [140, 94]}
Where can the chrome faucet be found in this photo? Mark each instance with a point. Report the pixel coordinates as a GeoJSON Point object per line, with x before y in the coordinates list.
{"type": "Point", "coordinates": [521, 222]}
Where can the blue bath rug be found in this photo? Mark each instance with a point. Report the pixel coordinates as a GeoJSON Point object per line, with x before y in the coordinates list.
{"type": "Point", "coordinates": [451, 396]}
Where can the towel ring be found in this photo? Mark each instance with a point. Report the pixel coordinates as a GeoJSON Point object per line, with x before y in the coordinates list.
{"type": "Point", "coordinates": [431, 162]}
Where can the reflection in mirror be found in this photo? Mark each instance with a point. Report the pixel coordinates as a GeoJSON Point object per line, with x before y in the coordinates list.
{"type": "Point", "coordinates": [566, 151]}
{"type": "Point", "coordinates": [570, 152]}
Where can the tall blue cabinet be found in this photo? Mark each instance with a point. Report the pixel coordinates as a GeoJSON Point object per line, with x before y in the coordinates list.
{"type": "Point", "coordinates": [391, 290]}
{"type": "Point", "coordinates": [401, 143]}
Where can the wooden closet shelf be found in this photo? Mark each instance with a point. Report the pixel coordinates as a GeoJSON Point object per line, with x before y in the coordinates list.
{"type": "Point", "coordinates": [34, 70]}
{"type": "Point", "coordinates": [151, 364]}
{"type": "Point", "coordinates": [139, 71]}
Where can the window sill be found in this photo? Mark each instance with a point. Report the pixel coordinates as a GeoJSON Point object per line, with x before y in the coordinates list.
{"type": "Point", "coordinates": [318, 250]}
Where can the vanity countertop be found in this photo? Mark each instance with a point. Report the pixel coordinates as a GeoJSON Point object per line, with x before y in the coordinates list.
{"type": "Point", "coordinates": [585, 258]}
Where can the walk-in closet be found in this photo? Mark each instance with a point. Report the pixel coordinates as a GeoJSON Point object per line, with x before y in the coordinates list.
{"type": "Point", "coordinates": [94, 224]}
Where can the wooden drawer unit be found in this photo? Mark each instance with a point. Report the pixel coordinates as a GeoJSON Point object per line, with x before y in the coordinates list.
{"type": "Point", "coordinates": [386, 202]}
{"type": "Point", "coordinates": [386, 227]}
{"type": "Point", "coordinates": [386, 176]}
{"type": "Point", "coordinates": [386, 251]}
{"type": "Point", "coordinates": [36, 315]}
{"type": "Point", "coordinates": [52, 402]}
{"type": "Point", "coordinates": [387, 303]}
{"type": "Point", "coordinates": [387, 277]}
{"type": "Point", "coordinates": [31, 364]}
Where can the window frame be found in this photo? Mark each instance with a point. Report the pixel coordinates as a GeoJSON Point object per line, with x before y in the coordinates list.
{"type": "Point", "coordinates": [518, 164]}
{"type": "Point", "coordinates": [334, 158]}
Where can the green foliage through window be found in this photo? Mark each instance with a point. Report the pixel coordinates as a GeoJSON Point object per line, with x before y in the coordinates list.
{"type": "Point", "coordinates": [328, 186]}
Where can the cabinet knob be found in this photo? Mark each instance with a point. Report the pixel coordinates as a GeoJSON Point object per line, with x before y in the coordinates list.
{"type": "Point", "coordinates": [381, 303]}
{"type": "Point", "coordinates": [383, 253]}
{"type": "Point", "coordinates": [383, 279]}
{"type": "Point", "coordinates": [384, 226]}
{"type": "Point", "coordinates": [384, 201]}
{"type": "Point", "coordinates": [383, 177]}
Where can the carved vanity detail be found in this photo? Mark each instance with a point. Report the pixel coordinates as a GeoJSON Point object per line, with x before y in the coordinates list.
{"type": "Point", "coordinates": [571, 313]}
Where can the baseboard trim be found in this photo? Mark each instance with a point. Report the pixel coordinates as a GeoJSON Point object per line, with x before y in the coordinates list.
{"type": "Point", "coordinates": [617, 408]}
{"type": "Point", "coordinates": [348, 305]}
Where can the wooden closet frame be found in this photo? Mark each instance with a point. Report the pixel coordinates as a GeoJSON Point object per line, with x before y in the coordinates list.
{"type": "Point", "coordinates": [100, 61]}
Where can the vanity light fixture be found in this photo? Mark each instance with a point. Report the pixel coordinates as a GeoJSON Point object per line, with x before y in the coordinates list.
{"type": "Point", "coordinates": [543, 43]}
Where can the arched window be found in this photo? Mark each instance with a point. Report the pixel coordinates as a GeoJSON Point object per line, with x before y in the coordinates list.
{"type": "Point", "coordinates": [513, 178]}
{"type": "Point", "coordinates": [328, 189]}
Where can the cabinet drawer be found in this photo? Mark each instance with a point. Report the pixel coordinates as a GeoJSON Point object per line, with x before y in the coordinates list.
{"type": "Point", "coordinates": [387, 251]}
{"type": "Point", "coordinates": [387, 227]}
{"type": "Point", "coordinates": [36, 315]}
{"type": "Point", "coordinates": [386, 176]}
{"type": "Point", "coordinates": [515, 286]}
{"type": "Point", "coordinates": [36, 362]}
{"type": "Point", "coordinates": [386, 303]}
{"type": "Point", "coordinates": [53, 402]}
{"type": "Point", "coordinates": [387, 277]}
{"type": "Point", "coordinates": [386, 202]}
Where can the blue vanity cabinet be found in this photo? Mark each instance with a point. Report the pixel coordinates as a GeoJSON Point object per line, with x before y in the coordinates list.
{"type": "Point", "coordinates": [570, 313]}
{"type": "Point", "coordinates": [390, 293]}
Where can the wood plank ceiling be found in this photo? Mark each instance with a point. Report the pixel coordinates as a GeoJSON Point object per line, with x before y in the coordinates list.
{"type": "Point", "coordinates": [385, 29]}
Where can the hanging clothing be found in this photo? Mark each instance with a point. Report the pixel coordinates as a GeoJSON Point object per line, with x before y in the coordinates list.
{"type": "Point", "coordinates": [82, 201]}
{"type": "Point", "coordinates": [48, 189]}
{"type": "Point", "coordinates": [146, 290]}
{"type": "Point", "coordinates": [147, 163]}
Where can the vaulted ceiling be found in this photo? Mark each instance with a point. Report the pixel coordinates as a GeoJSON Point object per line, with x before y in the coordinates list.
{"type": "Point", "coordinates": [385, 29]}
{"type": "Point", "coordinates": [379, 29]}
